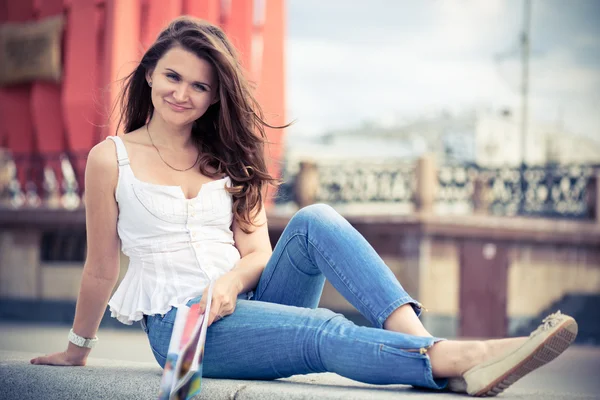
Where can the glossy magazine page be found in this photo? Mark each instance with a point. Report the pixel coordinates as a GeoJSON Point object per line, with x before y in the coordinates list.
{"type": "Point", "coordinates": [168, 377]}
{"type": "Point", "coordinates": [182, 375]}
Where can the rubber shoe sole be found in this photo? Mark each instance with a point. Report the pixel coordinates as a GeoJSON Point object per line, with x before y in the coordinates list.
{"type": "Point", "coordinates": [492, 377]}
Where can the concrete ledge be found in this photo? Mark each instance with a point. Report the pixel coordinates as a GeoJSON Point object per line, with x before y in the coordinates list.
{"type": "Point", "coordinates": [529, 229]}
{"type": "Point", "coordinates": [111, 379]}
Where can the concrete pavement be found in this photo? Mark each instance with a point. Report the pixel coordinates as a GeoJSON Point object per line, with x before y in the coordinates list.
{"type": "Point", "coordinates": [123, 367]}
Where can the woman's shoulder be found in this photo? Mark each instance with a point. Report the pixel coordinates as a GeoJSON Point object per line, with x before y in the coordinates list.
{"type": "Point", "coordinates": [103, 154]}
{"type": "Point", "coordinates": [102, 166]}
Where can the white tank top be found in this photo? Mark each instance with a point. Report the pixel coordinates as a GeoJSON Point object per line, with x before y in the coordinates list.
{"type": "Point", "coordinates": [175, 246]}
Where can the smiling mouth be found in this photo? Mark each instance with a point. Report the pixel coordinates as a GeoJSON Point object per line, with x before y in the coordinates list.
{"type": "Point", "coordinates": [176, 107]}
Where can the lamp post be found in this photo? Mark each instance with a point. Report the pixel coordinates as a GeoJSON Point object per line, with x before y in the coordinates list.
{"type": "Point", "coordinates": [524, 93]}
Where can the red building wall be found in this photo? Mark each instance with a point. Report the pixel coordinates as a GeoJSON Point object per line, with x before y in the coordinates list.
{"type": "Point", "coordinates": [101, 43]}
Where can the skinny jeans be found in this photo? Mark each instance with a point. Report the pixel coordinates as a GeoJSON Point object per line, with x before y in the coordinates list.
{"type": "Point", "coordinates": [278, 331]}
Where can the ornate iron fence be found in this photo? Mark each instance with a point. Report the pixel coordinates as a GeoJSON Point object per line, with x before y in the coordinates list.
{"type": "Point", "coordinates": [554, 191]}
{"type": "Point", "coordinates": [32, 181]}
{"type": "Point", "coordinates": [352, 183]}
{"type": "Point", "coordinates": [455, 186]}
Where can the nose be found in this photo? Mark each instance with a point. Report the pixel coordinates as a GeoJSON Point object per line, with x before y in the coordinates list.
{"type": "Point", "coordinates": [180, 93]}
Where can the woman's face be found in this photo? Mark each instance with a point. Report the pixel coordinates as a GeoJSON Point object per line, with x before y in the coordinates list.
{"type": "Point", "coordinates": [183, 87]}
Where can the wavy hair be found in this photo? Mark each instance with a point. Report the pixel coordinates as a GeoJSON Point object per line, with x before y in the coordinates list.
{"type": "Point", "coordinates": [230, 135]}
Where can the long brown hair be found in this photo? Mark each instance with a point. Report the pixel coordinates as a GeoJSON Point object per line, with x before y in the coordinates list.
{"type": "Point", "coordinates": [230, 135]}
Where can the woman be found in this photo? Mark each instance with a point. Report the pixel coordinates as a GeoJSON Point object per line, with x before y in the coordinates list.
{"type": "Point", "coordinates": [182, 192]}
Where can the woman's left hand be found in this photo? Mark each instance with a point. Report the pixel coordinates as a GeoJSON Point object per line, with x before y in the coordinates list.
{"type": "Point", "coordinates": [224, 297]}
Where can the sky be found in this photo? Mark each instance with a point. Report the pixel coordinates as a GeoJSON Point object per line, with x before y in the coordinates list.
{"type": "Point", "coordinates": [351, 61]}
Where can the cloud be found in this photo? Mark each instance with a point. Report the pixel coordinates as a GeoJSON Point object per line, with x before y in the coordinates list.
{"type": "Point", "coordinates": [347, 83]}
{"type": "Point", "coordinates": [348, 64]}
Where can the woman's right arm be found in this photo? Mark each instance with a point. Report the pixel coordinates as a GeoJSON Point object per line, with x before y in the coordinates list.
{"type": "Point", "coordinates": [101, 269]}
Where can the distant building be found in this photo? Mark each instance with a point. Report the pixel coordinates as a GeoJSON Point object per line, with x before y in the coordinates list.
{"type": "Point", "coordinates": [563, 149]}
{"type": "Point", "coordinates": [488, 139]}
{"type": "Point", "coordinates": [498, 143]}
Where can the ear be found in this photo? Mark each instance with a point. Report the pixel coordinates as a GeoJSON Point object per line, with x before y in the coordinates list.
{"type": "Point", "coordinates": [149, 77]}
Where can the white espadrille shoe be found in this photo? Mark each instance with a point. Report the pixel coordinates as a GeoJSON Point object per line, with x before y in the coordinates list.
{"type": "Point", "coordinates": [547, 342]}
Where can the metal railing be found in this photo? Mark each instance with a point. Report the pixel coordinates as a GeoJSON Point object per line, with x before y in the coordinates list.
{"type": "Point", "coordinates": [553, 191]}
{"type": "Point", "coordinates": [40, 180]}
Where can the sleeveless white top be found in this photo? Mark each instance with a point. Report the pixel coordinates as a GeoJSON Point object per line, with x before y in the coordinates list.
{"type": "Point", "coordinates": [175, 246]}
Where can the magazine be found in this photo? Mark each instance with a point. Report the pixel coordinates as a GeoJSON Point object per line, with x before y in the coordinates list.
{"type": "Point", "coordinates": [182, 375]}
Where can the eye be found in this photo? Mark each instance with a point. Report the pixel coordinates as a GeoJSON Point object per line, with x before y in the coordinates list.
{"type": "Point", "coordinates": [173, 77]}
{"type": "Point", "coordinates": [200, 88]}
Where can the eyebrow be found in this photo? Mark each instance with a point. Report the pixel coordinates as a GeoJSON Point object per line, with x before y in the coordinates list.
{"type": "Point", "coordinates": [178, 74]}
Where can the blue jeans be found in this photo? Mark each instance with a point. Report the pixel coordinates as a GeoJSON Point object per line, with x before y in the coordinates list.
{"type": "Point", "coordinates": [280, 332]}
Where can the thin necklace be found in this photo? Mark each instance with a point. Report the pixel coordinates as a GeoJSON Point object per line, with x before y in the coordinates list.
{"type": "Point", "coordinates": [163, 160]}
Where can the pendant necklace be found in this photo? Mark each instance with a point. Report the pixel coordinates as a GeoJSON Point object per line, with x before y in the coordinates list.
{"type": "Point", "coordinates": [163, 160]}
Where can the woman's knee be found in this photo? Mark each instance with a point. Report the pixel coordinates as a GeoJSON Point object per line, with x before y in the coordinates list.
{"type": "Point", "coordinates": [314, 212]}
{"type": "Point", "coordinates": [327, 319]}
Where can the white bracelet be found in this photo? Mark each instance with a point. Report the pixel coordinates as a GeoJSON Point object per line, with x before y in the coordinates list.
{"type": "Point", "coordinates": [81, 341]}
